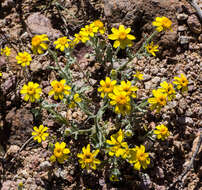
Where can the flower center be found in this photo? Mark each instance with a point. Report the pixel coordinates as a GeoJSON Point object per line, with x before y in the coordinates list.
{"type": "Point", "coordinates": [142, 157]}
{"type": "Point", "coordinates": [36, 41]}
{"type": "Point", "coordinates": [121, 99]}
{"type": "Point", "coordinates": [88, 158]}
{"type": "Point", "coordinates": [63, 41]}
{"type": "Point", "coordinates": [58, 88]}
{"type": "Point", "coordinates": [24, 58]}
{"type": "Point", "coordinates": [122, 35]}
{"type": "Point", "coordinates": [58, 152]}
{"type": "Point", "coordinates": [166, 23]}
{"type": "Point", "coordinates": [30, 90]}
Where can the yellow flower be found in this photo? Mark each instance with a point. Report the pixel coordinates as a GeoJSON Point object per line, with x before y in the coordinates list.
{"type": "Point", "coordinates": [39, 133]}
{"type": "Point", "coordinates": [122, 37]}
{"type": "Point", "coordinates": [32, 91]}
{"type": "Point", "coordinates": [162, 23]}
{"type": "Point", "coordinates": [151, 48]}
{"type": "Point", "coordinates": [159, 100]}
{"type": "Point", "coordinates": [117, 146]}
{"type": "Point", "coordinates": [162, 132]}
{"type": "Point", "coordinates": [59, 89]}
{"type": "Point", "coordinates": [99, 24]}
{"type": "Point", "coordinates": [107, 86]}
{"type": "Point", "coordinates": [80, 37]}
{"type": "Point", "coordinates": [89, 30]}
{"type": "Point", "coordinates": [6, 51]}
{"type": "Point", "coordinates": [0, 74]}
{"type": "Point", "coordinates": [76, 99]}
{"type": "Point", "coordinates": [138, 75]}
{"type": "Point", "coordinates": [181, 82]}
{"type": "Point", "coordinates": [62, 43]}
{"type": "Point", "coordinates": [60, 153]}
{"type": "Point", "coordinates": [121, 100]}
{"type": "Point", "coordinates": [38, 45]}
{"type": "Point", "coordinates": [87, 159]}
{"type": "Point", "coordinates": [140, 159]}
{"type": "Point", "coordinates": [24, 58]}
{"type": "Point", "coordinates": [168, 89]}
{"type": "Point", "coordinates": [128, 88]}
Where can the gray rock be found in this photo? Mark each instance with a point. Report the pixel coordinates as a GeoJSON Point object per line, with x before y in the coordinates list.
{"type": "Point", "coordinates": [46, 165]}
{"type": "Point", "coordinates": [182, 28]}
{"type": "Point", "coordinates": [159, 173]}
{"type": "Point", "coordinates": [183, 40]}
{"type": "Point", "coordinates": [39, 24]}
{"type": "Point", "coordinates": [189, 120]}
{"type": "Point", "coordinates": [194, 24]}
{"type": "Point", "coordinates": [182, 16]}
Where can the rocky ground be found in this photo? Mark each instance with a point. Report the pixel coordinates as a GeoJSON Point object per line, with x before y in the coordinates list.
{"type": "Point", "coordinates": [180, 52]}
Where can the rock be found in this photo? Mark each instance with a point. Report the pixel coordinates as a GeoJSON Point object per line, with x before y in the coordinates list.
{"type": "Point", "coordinates": [8, 84]}
{"type": "Point", "coordinates": [182, 28]}
{"type": "Point", "coordinates": [21, 121]}
{"type": "Point", "coordinates": [46, 165]}
{"type": "Point", "coordinates": [159, 173]}
{"type": "Point", "coordinates": [182, 16]}
{"type": "Point", "coordinates": [12, 150]}
{"type": "Point", "coordinates": [189, 120]}
{"type": "Point", "coordinates": [2, 151]}
{"type": "Point", "coordinates": [9, 185]}
{"type": "Point", "coordinates": [194, 24]}
{"type": "Point", "coordinates": [169, 39]}
{"type": "Point", "coordinates": [35, 66]}
{"type": "Point", "coordinates": [39, 24]}
{"type": "Point", "coordinates": [2, 60]}
{"type": "Point", "coordinates": [183, 40]}
{"type": "Point", "coordinates": [200, 38]}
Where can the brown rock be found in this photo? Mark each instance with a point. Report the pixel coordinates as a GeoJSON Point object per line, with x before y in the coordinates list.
{"type": "Point", "coordinates": [39, 24]}
{"type": "Point", "coordinates": [194, 24]}
{"type": "Point", "coordinates": [21, 121]}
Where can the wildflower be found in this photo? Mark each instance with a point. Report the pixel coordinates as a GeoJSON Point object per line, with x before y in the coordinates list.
{"type": "Point", "coordinates": [181, 82]}
{"type": "Point", "coordinates": [168, 89]}
{"type": "Point", "coordinates": [6, 51]}
{"type": "Point", "coordinates": [80, 37]}
{"type": "Point", "coordinates": [38, 45]}
{"type": "Point", "coordinates": [32, 91]}
{"type": "Point", "coordinates": [151, 48]}
{"type": "Point", "coordinates": [122, 37]}
{"type": "Point", "coordinates": [59, 89]}
{"type": "Point", "coordinates": [117, 146]}
{"type": "Point", "coordinates": [24, 58]}
{"type": "Point", "coordinates": [121, 101]}
{"type": "Point", "coordinates": [128, 88]}
{"type": "Point", "coordinates": [62, 43]}
{"type": "Point", "coordinates": [60, 153]}
{"type": "Point", "coordinates": [141, 158]}
{"type": "Point", "coordinates": [87, 159]}
{"type": "Point", "coordinates": [99, 24]}
{"type": "Point", "coordinates": [39, 133]}
{"type": "Point", "coordinates": [0, 74]}
{"type": "Point", "coordinates": [161, 132]}
{"type": "Point", "coordinates": [138, 75]}
{"type": "Point", "coordinates": [76, 99]}
{"type": "Point", "coordinates": [89, 30]}
{"type": "Point", "coordinates": [107, 86]}
{"type": "Point", "coordinates": [159, 100]}
{"type": "Point", "coordinates": [162, 23]}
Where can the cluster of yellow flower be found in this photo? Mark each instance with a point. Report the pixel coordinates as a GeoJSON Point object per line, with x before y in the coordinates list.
{"type": "Point", "coordinates": [32, 91]}
{"type": "Point", "coordinates": [120, 95]}
{"type": "Point", "coordinates": [136, 156]}
{"type": "Point", "coordinates": [167, 92]}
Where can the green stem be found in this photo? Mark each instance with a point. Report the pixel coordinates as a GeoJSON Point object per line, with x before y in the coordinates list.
{"type": "Point", "coordinates": [139, 51]}
{"type": "Point", "coordinates": [59, 67]}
